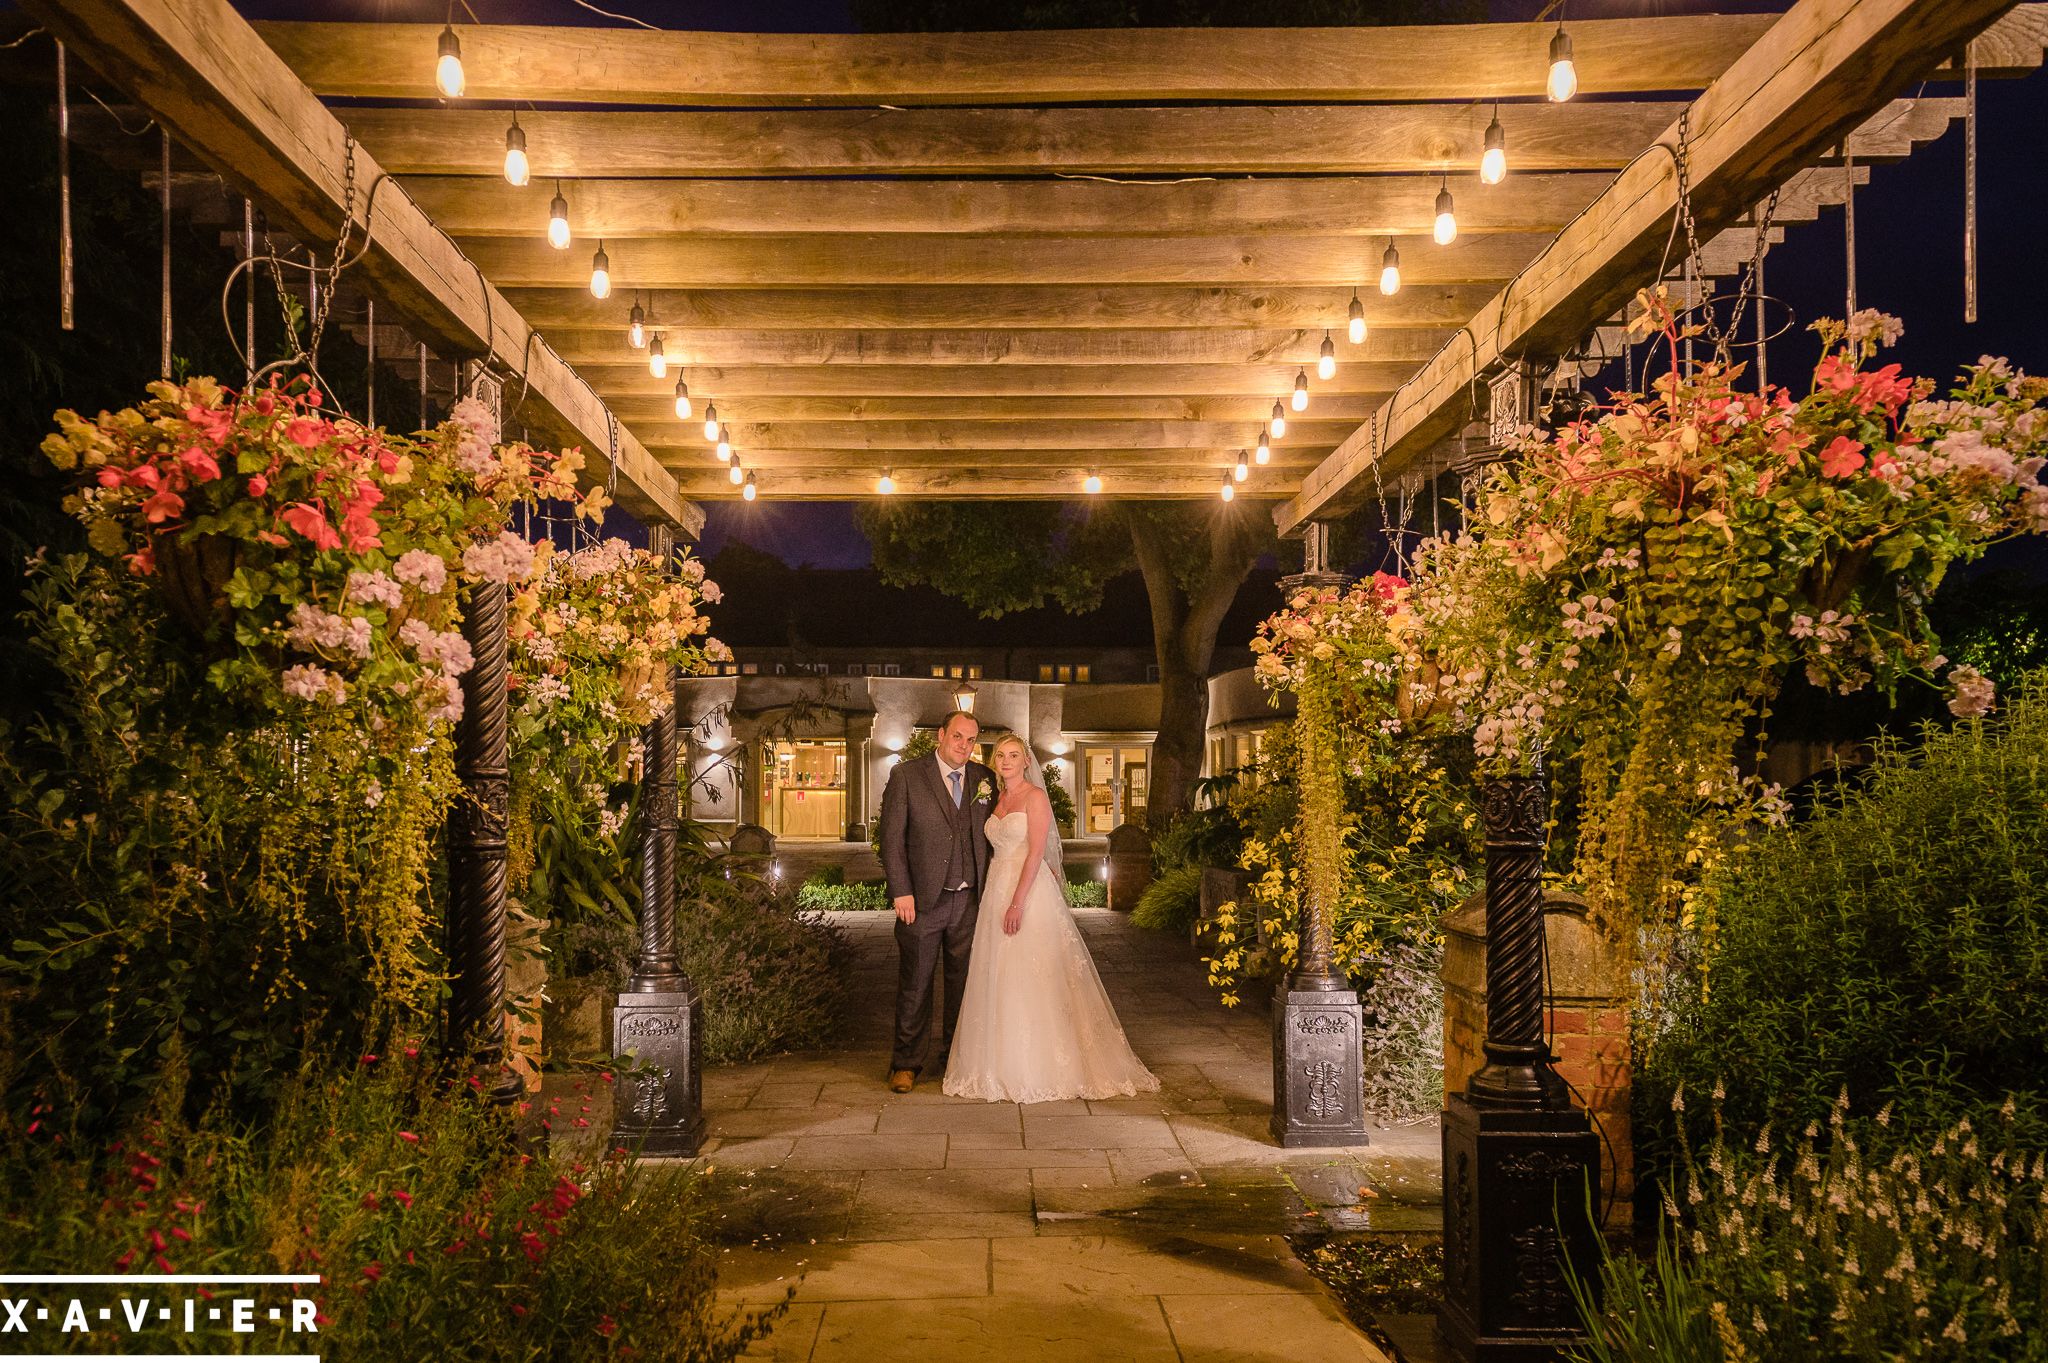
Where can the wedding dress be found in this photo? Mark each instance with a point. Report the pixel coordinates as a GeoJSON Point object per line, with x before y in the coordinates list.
{"type": "Point", "coordinates": [1036, 1024]}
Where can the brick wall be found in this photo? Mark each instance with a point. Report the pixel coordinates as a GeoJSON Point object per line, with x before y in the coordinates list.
{"type": "Point", "coordinates": [1587, 1019]}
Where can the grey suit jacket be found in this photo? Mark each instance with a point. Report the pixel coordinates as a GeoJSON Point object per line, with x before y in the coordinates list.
{"type": "Point", "coordinates": [917, 827]}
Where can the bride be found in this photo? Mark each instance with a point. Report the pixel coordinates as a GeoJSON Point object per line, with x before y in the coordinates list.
{"type": "Point", "coordinates": [1036, 1024]}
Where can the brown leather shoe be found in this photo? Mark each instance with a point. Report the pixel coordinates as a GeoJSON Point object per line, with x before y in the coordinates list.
{"type": "Point", "coordinates": [901, 1081]}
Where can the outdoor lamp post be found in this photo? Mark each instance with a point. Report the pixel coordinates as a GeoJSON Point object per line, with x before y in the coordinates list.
{"type": "Point", "coordinates": [659, 1019]}
{"type": "Point", "coordinates": [963, 697]}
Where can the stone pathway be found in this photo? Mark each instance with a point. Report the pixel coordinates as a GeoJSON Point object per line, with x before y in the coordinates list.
{"type": "Point", "coordinates": [922, 1227]}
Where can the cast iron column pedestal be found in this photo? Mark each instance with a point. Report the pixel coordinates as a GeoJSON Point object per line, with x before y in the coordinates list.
{"type": "Point", "coordinates": [477, 867]}
{"type": "Point", "coordinates": [1520, 1162]}
{"type": "Point", "coordinates": [659, 1020]}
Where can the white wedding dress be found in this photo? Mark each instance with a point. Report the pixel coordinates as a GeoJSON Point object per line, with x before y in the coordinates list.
{"type": "Point", "coordinates": [1036, 1024]}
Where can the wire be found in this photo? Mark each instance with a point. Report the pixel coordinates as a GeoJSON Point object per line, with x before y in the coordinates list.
{"type": "Point", "coordinates": [111, 113]}
{"type": "Point", "coordinates": [9, 47]}
{"type": "Point", "coordinates": [622, 18]}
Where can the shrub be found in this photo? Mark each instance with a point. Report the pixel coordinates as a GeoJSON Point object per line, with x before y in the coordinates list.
{"type": "Point", "coordinates": [826, 875]}
{"type": "Point", "coordinates": [1894, 1248]}
{"type": "Point", "coordinates": [1172, 902]}
{"type": "Point", "coordinates": [773, 978]}
{"type": "Point", "coordinates": [1895, 946]}
{"type": "Point", "coordinates": [1087, 894]}
{"type": "Point", "coordinates": [840, 898]}
{"type": "Point", "coordinates": [1404, 1045]}
{"type": "Point", "coordinates": [1201, 837]}
{"type": "Point", "coordinates": [434, 1235]}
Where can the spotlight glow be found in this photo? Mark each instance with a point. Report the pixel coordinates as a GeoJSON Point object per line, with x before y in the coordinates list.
{"type": "Point", "coordinates": [1092, 484]}
{"type": "Point", "coordinates": [885, 484]}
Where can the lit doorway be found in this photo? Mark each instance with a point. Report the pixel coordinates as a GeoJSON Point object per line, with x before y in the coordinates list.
{"type": "Point", "coordinates": [804, 788]}
{"type": "Point", "coordinates": [1116, 782]}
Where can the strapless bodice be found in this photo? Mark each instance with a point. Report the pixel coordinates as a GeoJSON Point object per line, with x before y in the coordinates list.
{"type": "Point", "coordinates": [1008, 831]}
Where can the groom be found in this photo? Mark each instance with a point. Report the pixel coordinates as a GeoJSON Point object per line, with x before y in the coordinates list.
{"type": "Point", "coordinates": [935, 853]}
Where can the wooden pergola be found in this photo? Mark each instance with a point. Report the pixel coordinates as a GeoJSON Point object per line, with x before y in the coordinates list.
{"type": "Point", "coordinates": [995, 264]}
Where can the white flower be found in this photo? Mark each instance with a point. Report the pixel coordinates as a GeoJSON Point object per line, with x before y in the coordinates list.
{"type": "Point", "coordinates": [422, 569]}
{"type": "Point", "coordinates": [710, 591]}
{"type": "Point", "coordinates": [374, 796]}
{"type": "Point", "coordinates": [447, 651]}
{"type": "Point", "coordinates": [440, 696]}
{"type": "Point", "coordinates": [313, 629]}
{"type": "Point", "coordinates": [309, 682]}
{"type": "Point", "coordinates": [1975, 693]}
{"type": "Point", "coordinates": [508, 558]}
{"type": "Point", "coordinates": [375, 589]}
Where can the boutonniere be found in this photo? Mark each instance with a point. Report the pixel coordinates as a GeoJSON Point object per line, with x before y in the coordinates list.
{"type": "Point", "coordinates": [984, 793]}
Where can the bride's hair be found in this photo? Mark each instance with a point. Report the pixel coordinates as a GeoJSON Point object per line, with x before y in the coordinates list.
{"type": "Point", "coordinates": [1012, 741]}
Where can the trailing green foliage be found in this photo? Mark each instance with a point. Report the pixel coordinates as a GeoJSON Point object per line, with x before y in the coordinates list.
{"type": "Point", "coordinates": [1172, 902]}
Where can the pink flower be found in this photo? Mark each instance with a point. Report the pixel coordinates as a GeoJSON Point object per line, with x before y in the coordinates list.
{"type": "Point", "coordinates": [310, 682]}
{"type": "Point", "coordinates": [162, 506]}
{"type": "Point", "coordinates": [258, 485]}
{"type": "Point", "coordinates": [199, 464]}
{"type": "Point", "coordinates": [110, 477]}
{"type": "Point", "coordinates": [1975, 693]}
{"type": "Point", "coordinates": [409, 1137]}
{"type": "Point", "coordinates": [1842, 457]}
{"type": "Point", "coordinates": [423, 569]}
{"type": "Point", "coordinates": [306, 432]}
{"type": "Point", "coordinates": [310, 520]}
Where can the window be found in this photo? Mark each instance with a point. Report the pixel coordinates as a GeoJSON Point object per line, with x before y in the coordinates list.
{"type": "Point", "coordinates": [1045, 672]}
{"type": "Point", "coordinates": [1065, 672]}
{"type": "Point", "coordinates": [973, 672]}
{"type": "Point", "coordinates": [956, 671]}
{"type": "Point", "coordinates": [891, 669]}
{"type": "Point", "coordinates": [1151, 672]}
{"type": "Point", "coordinates": [1080, 672]}
{"type": "Point", "coordinates": [750, 669]}
{"type": "Point", "coordinates": [937, 670]}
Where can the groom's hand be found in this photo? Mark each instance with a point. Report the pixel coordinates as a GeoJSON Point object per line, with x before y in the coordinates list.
{"type": "Point", "coordinates": [906, 908]}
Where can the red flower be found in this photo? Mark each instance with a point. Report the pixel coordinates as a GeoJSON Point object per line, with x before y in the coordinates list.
{"type": "Point", "coordinates": [199, 464]}
{"type": "Point", "coordinates": [109, 476]}
{"type": "Point", "coordinates": [1842, 457]}
{"type": "Point", "coordinates": [258, 485]}
{"type": "Point", "coordinates": [271, 537]}
{"type": "Point", "coordinates": [306, 432]}
{"type": "Point", "coordinates": [409, 1137]}
{"type": "Point", "coordinates": [310, 520]}
{"type": "Point", "coordinates": [127, 1258]}
{"type": "Point", "coordinates": [370, 1202]}
{"type": "Point", "coordinates": [606, 1326]}
{"type": "Point", "coordinates": [402, 1198]}
{"type": "Point", "coordinates": [373, 1270]}
{"type": "Point", "coordinates": [144, 475]}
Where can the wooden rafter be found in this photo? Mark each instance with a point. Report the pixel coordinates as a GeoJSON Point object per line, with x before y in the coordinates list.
{"type": "Point", "coordinates": [603, 349]}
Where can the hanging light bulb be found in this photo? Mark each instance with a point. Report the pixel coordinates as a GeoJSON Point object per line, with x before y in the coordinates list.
{"type": "Point", "coordinates": [682, 401]}
{"type": "Point", "coordinates": [1229, 491]}
{"type": "Point", "coordinates": [1300, 400]}
{"type": "Point", "coordinates": [1446, 218]}
{"type": "Point", "coordinates": [558, 220]}
{"type": "Point", "coordinates": [747, 491]}
{"type": "Point", "coordinates": [517, 170]}
{"type": "Point", "coordinates": [885, 484]}
{"type": "Point", "coordinates": [1326, 358]}
{"type": "Point", "coordinates": [1278, 425]}
{"type": "Point", "coordinates": [448, 69]}
{"type": "Point", "coordinates": [1493, 163]}
{"type": "Point", "coordinates": [1264, 451]}
{"type": "Point", "coordinates": [1564, 77]}
{"type": "Point", "coordinates": [1242, 470]}
{"type": "Point", "coordinates": [724, 443]}
{"type": "Point", "coordinates": [711, 421]}
{"type": "Point", "coordinates": [1092, 484]}
{"type": "Point", "coordinates": [636, 327]}
{"type": "Point", "coordinates": [1357, 319]}
{"type": "Point", "coordinates": [1390, 270]}
{"type": "Point", "coordinates": [736, 472]}
{"type": "Point", "coordinates": [657, 362]}
{"type": "Point", "coordinates": [600, 273]}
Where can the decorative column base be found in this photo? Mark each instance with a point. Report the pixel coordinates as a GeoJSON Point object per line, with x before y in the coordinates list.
{"type": "Point", "coordinates": [1318, 1066]}
{"type": "Point", "coordinates": [1518, 1188]}
{"type": "Point", "coordinates": [660, 1110]}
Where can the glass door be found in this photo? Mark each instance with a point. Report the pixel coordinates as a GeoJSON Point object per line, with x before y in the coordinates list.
{"type": "Point", "coordinates": [1116, 786]}
{"type": "Point", "coordinates": [805, 795]}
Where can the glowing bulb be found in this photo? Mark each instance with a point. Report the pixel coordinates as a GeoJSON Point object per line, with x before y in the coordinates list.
{"type": "Point", "coordinates": [734, 473]}
{"type": "Point", "coordinates": [1357, 319]}
{"type": "Point", "coordinates": [601, 273]}
{"type": "Point", "coordinates": [517, 169]}
{"type": "Point", "coordinates": [558, 221]}
{"type": "Point", "coordinates": [1229, 492]}
{"type": "Point", "coordinates": [1241, 470]}
{"type": "Point", "coordinates": [747, 492]}
{"type": "Point", "coordinates": [1092, 484]}
{"type": "Point", "coordinates": [657, 363]}
{"type": "Point", "coordinates": [724, 443]}
{"type": "Point", "coordinates": [636, 328]}
{"type": "Point", "coordinates": [1278, 425]}
{"type": "Point", "coordinates": [682, 400]}
{"type": "Point", "coordinates": [1264, 452]}
{"type": "Point", "coordinates": [1564, 77]}
{"type": "Point", "coordinates": [1300, 399]}
{"type": "Point", "coordinates": [1446, 220]}
{"type": "Point", "coordinates": [1390, 270]}
{"type": "Point", "coordinates": [885, 484]}
{"type": "Point", "coordinates": [1493, 165]}
{"type": "Point", "coordinates": [448, 70]}
{"type": "Point", "coordinates": [711, 421]}
{"type": "Point", "coordinates": [1326, 359]}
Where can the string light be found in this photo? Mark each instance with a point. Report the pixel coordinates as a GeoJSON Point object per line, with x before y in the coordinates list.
{"type": "Point", "coordinates": [1278, 424]}
{"type": "Point", "coordinates": [558, 220]}
{"type": "Point", "coordinates": [1326, 358]}
{"type": "Point", "coordinates": [1390, 270]}
{"type": "Point", "coordinates": [1241, 470]}
{"type": "Point", "coordinates": [657, 363]}
{"type": "Point", "coordinates": [711, 421]}
{"type": "Point", "coordinates": [1264, 452]}
{"type": "Point", "coordinates": [682, 400]}
{"type": "Point", "coordinates": [1357, 319]}
{"type": "Point", "coordinates": [517, 169]}
{"type": "Point", "coordinates": [1493, 164]}
{"type": "Point", "coordinates": [735, 473]}
{"type": "Point", "coordinates": [885, 484]}
{"type": "Point", "coordinates": [600, 273]}
{"type": "Point", "coordinates": [1446, 217]}
{"type": "Point", "coordinates": [724, 443]}
{"type": "Point", "coordinates": [747, 491]}
{"type": "Point", "coordinates": [448, 68]}
{"type": "Point", "coordinates": [636, 327]}
{"type": "Point", "coordinates": [1300, 399]}
{"type": "Point", "coordinates": [1564, 77]}
{"type": "Point", "coordinates": [1092, 484]}
{"type": "Point", "coordinates": [1229, 490]}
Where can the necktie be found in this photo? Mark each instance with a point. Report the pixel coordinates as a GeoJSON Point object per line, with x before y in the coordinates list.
{"type": "Point", "coordinates": [954, 777]}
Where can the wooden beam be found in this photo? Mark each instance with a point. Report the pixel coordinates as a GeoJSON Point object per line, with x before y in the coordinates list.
{"type": "Point", "coordinates": [1354, 205]}
{"type": "Point", "coordinates": [1820, 71]}
{"type": "Point", "coordinates": [1061, 483]}
{"type": "Point", "coordinates": [206, 77]}
{"type": "Point", "coordinates": [1287, 139]}
{"type": "Point", "coordinates": [689, 458]}
{"type": "Point", "coordinates": [973, 435]}
{"type": "Point", "coordinates": [797, 262]}
{"type": "Point", "coordinates": [596, 350]}
{"type": "Point", "coordinates": [730, 385]}
{"type": "Point", "coordinates": [1051, 307]}
{"type": "Point", "coordinates": [652, 407]}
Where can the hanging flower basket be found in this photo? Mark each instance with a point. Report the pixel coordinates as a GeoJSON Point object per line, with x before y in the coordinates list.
{"type": "Point", "coordinates": [1420, 693]}
{"type": "Point", "coordinates": [640, 691]}
{"type": "Point", "coordinates": [192, 573]}
{"type": "Point", "coordinates": [1828, 586]}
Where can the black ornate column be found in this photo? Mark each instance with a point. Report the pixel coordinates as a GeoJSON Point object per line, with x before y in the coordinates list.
{"type": "Point", "coordinates": [658, 1020]}
{"type": "Point", "coordinates": [1318, 1022]}
{"type": "Point", "coordinates": [1520, 1162]}
{"type": "Point", "coordinates": [476, 849]}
